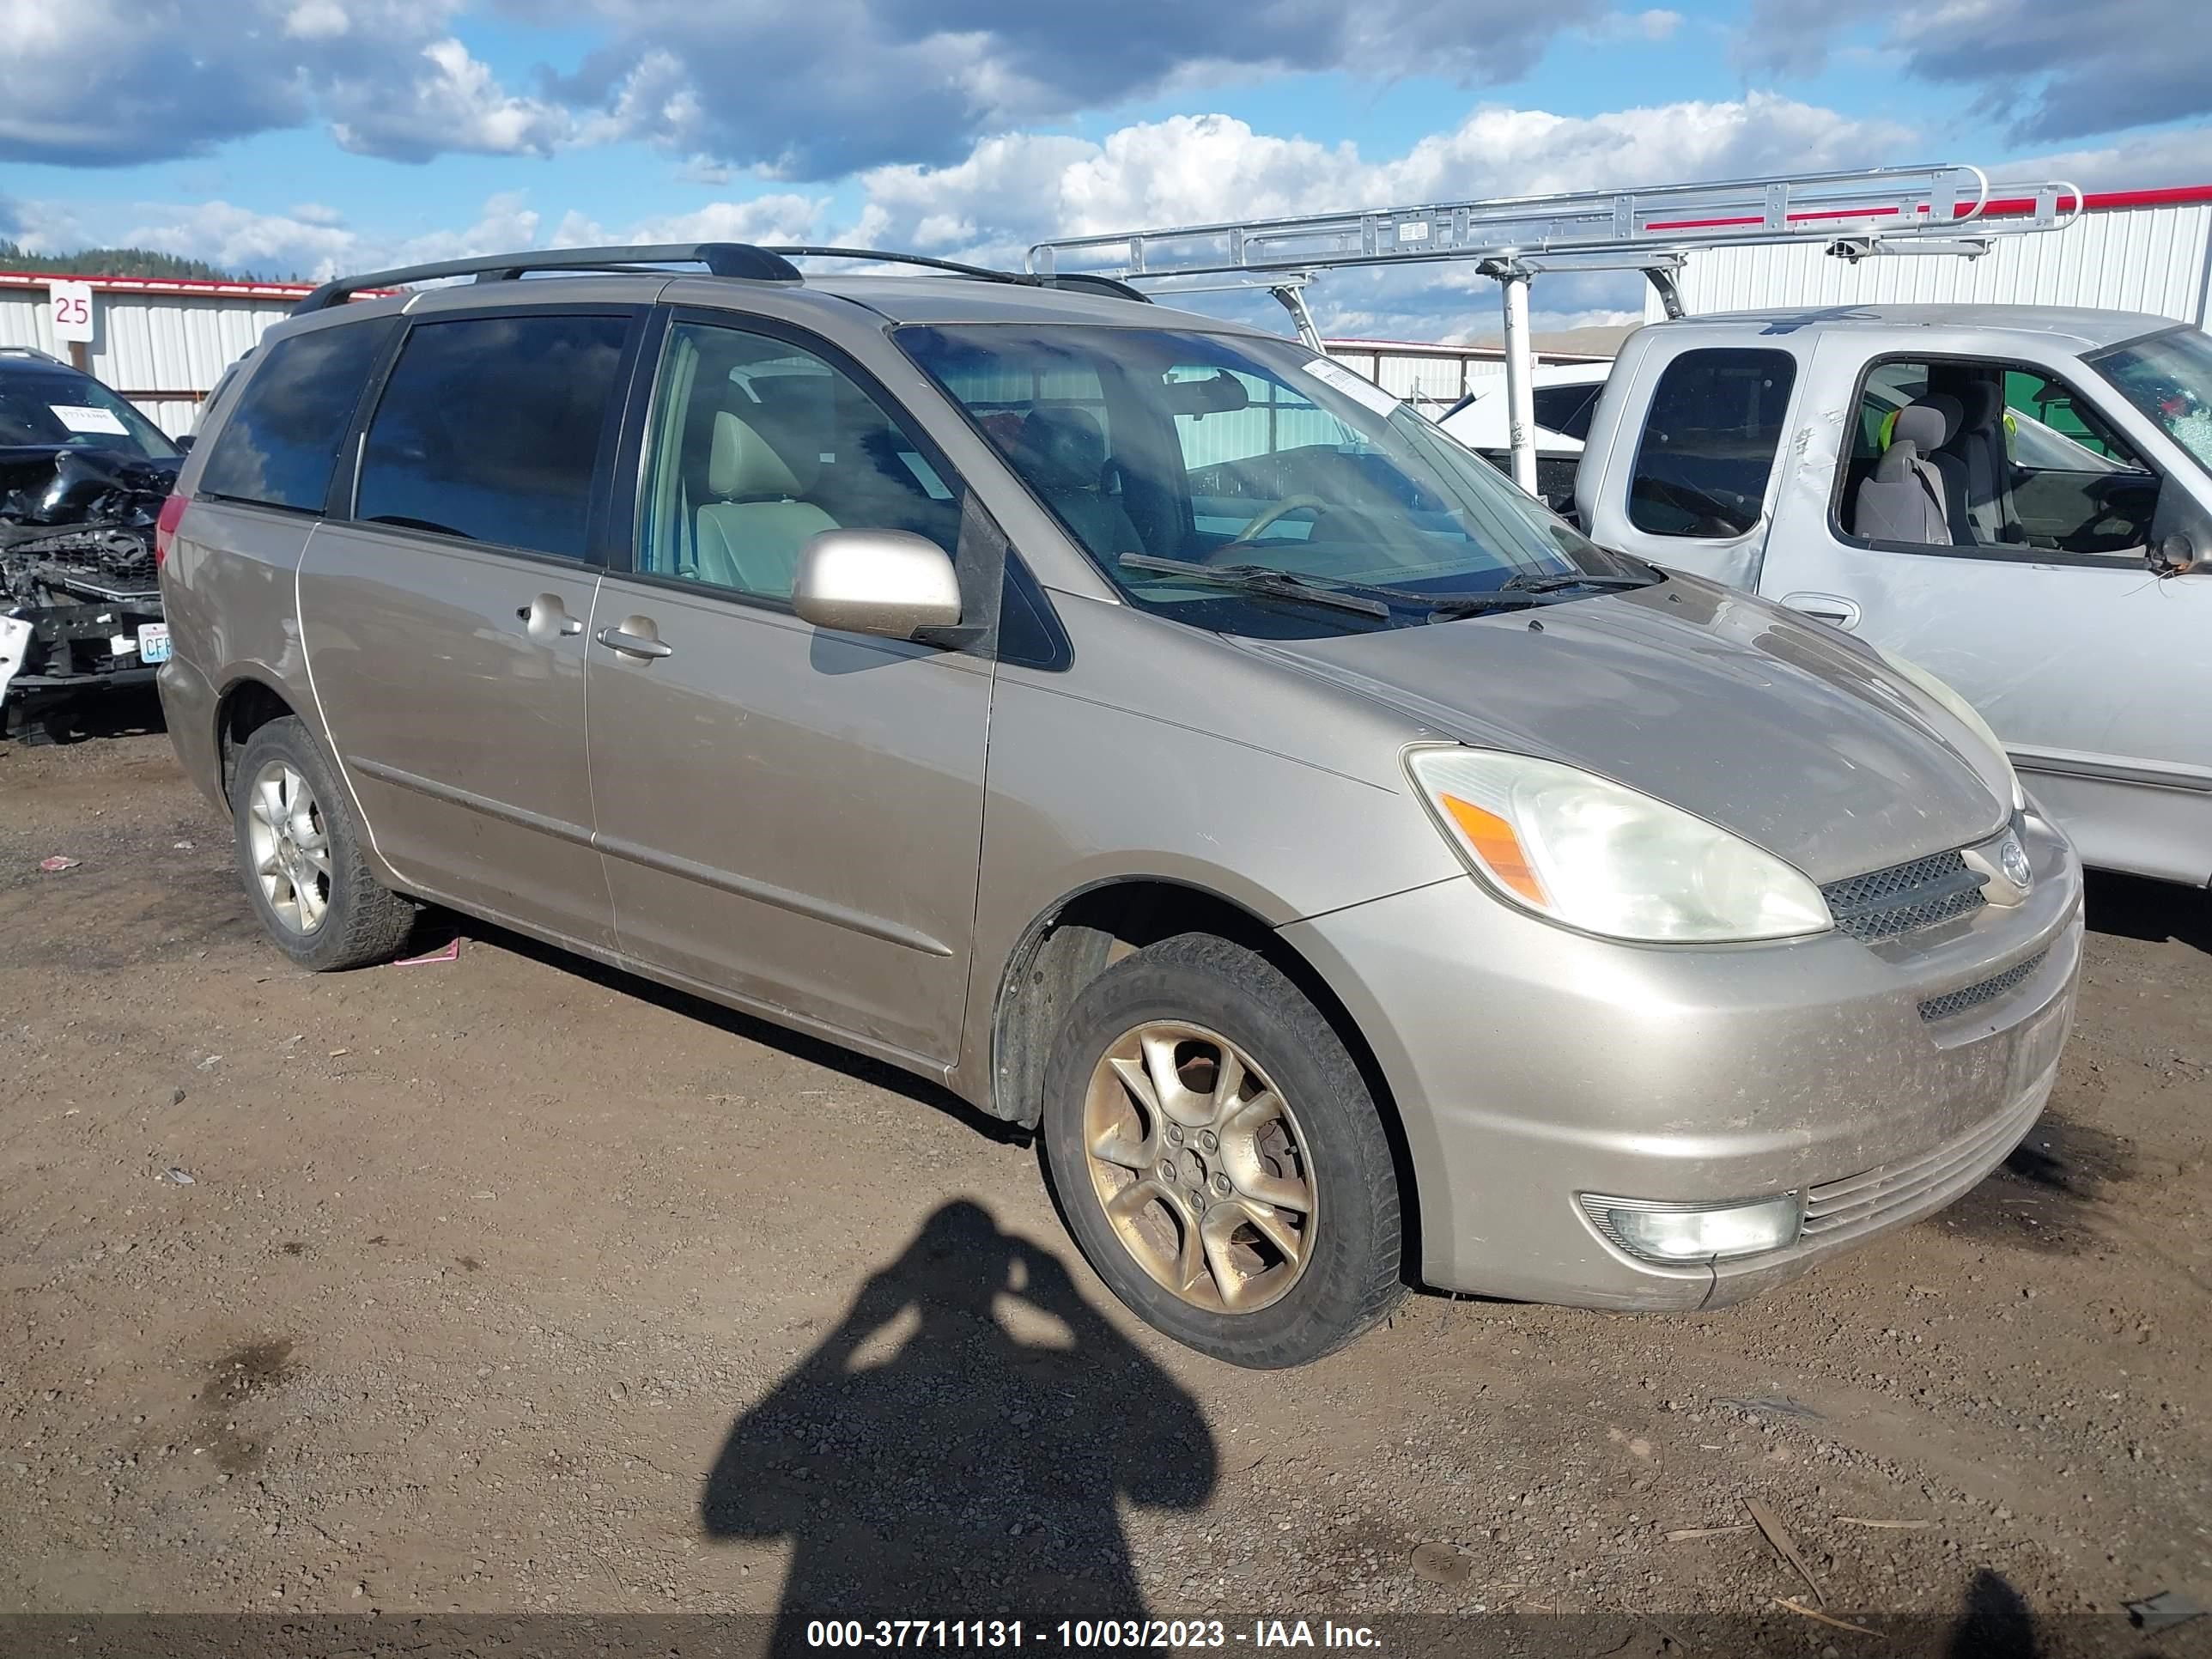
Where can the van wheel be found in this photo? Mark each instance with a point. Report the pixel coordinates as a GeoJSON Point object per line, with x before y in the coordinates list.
{"type": "Point", "coordinates": [1218, 1156]}
{"type": "Point", "coordinates": [299, 854]}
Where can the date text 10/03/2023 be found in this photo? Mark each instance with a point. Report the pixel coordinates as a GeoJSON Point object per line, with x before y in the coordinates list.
{"type": "Point", "coordinates": [1170, 1634]}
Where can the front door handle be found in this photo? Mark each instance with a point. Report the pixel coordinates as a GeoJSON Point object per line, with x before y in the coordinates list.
{"type": "Point", "coordinates": [1826, 607]}
{"type": "Point", "coordinates": [546, 618]}
{"type": "Point", "coordinates": [631, 644]}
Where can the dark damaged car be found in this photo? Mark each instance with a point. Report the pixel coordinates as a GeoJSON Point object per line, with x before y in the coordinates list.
{"type": "Point", "coordinates": [82, 478]}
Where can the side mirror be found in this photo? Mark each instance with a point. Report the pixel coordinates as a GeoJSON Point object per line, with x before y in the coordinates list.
{"type": "Point", "coordinates": [184, 445]}
{"type": "Point", "coordinates": [2180, 533]}
{"type": "Point", "coordinates": [890, 583]}
{"type": "Point", "coordinates": [2173, 555]}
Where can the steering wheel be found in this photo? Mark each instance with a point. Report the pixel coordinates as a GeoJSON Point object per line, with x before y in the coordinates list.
{"type": "Point", "coordinates": [2125, 501]}
{"type": "Point", "coordinates": [1266, 521]}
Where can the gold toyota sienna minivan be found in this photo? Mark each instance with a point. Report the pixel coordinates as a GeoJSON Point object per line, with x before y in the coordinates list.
{"type": "Point", "coordinates": [1152, 731]}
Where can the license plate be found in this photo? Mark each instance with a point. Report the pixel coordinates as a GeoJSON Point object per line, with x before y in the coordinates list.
{"type": "Point", "coordinates": [2037, 1045]}
{"type": "Point", "coordinates": [153, 642]}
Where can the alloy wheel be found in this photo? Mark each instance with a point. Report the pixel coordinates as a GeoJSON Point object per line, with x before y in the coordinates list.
{"type": "Point", "coordinates": [291, 847]}
{"type": "Point", "coordinates": [1200, 1166]}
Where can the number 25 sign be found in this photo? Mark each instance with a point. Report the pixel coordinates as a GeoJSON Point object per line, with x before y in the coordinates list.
{"type": "Point", "coordinates": [72, 310]}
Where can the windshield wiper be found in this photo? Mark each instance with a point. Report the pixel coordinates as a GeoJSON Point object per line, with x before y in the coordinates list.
{"type": "Point", "coordinates": [1553, 584]}
{"type": "Point", "coordinates": [1350, 595]}
{"type": "Point", "coordinates": [1259, 578]}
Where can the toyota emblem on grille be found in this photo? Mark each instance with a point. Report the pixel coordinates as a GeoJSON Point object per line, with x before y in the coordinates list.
{"type": "Point", "coordinates": [2012, 859]}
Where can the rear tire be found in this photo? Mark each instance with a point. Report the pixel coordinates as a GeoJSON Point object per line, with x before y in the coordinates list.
{"type": "Point", "coordinates": [1257, 1222]}
{"type": "Point", "coordinates": [299, 856]}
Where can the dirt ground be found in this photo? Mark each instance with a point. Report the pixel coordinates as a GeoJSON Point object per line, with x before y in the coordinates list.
{"type": "Point", "coordinates": [506, 1284]}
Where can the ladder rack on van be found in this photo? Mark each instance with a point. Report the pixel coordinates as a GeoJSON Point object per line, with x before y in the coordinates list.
{"type": "Point", "coordinates": [1940, 209]}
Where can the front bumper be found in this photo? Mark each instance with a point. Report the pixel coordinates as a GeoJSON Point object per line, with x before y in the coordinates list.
{"type": "Point", "coordinates": [1530, 1065]}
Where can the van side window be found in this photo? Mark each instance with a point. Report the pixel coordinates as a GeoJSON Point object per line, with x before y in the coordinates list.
{"type": "Point", "coordinates": [491, 428]}
{"type": "Point", "coordinates": [756, 445]}
{"type": "Point", "coordinates": [281, 443]}
{"type": "Point", "coordinates": [1709, 441]}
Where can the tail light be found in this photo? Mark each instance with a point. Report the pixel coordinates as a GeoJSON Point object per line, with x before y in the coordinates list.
{"type": "Point", "coordinates": [165, 527]}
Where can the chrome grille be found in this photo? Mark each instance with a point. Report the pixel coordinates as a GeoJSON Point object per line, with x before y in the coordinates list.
{"type": "Point", "coordinates": [1866, 1199]}
{"type": "Point", "coordinates": [1886, 904]}
{"type": "Point", "coordinates": [1989, 990]}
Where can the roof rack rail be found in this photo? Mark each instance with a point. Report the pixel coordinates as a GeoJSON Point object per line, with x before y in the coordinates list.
{"type": "Point", "coordinates": [740, 259]}
{"type": "Point", "coordinates": [29, 351]}
{"type": "Point", "coordinates": [1088, 280]}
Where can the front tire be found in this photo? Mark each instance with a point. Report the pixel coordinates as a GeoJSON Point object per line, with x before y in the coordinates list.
{"type": "Point", "coordinates": [299, 854]}
{"type": "Point", "coordinates": [1219, 1157]}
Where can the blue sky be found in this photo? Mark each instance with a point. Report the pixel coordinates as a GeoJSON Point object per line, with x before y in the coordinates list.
{"type": "Point", "coordinates": [304, 136]}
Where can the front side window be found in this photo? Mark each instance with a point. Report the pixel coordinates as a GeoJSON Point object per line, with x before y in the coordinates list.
{"type": "Point", "coordinates": [1231, 480]}
{"type": "Point", "coordinates": [2022, 463]}
{"type": "Point", "coordinates": [280, 443]}
{"type": "Point", "coordinates": [2168, 377]}
{"type": "Point", "coordinates": [1709, 441]}
{"type": "Point", "coordinates": [493, 429]}
{"type": "Point", "coordinates": [758, 445]}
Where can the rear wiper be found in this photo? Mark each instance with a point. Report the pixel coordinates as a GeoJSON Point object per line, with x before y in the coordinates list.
{"type": "Point", "coordinates": [1552, 584]}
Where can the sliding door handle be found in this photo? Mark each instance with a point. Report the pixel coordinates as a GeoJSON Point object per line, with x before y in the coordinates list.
{"type": "Point", "coordinates": [646, 647]}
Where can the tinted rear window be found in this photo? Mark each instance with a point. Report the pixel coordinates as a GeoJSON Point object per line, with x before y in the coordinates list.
{"type": "Point", "coordinates": [1708, 442]}
{"type": "Point", "coordinates": [491, 428]}
{"type": "Point", "coordinates": [1566, 409]}
{"type": "Point", "coordinates": [280, 444]}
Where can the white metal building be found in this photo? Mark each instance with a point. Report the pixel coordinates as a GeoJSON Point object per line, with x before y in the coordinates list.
{"type": "Point", "coordinates": [1432, 378]}
{"type": "Point", "coordinates": [161, 342]}
{"type": "Point", "coordinates": [2133, 250]}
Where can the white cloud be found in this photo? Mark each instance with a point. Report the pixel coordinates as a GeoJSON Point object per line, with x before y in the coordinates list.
{"type": "Point", "coordinates": [112, 83]}
{"type": "Point", "coordinates": [2178, 156]}
{"type": "Point", "coordinates": [1010, 190]}
{"type": "Point", "coordinates": [1198, 169]}
{"type": "Point", "coordinates": [1620, 28]}
{"type": "Point", "coordinates": [316, 20]}
{"type": "Point", "coordinates": [314, 244]}
{"type": "Point", "coordinates": [781, 218]}
{"type": "Point", "coordinates": [459, 105]}
{"type": "Point", "coordinates": [240, 240]}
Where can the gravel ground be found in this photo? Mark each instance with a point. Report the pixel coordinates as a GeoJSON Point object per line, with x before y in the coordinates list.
{"type": "Point", "coordinates": [505, 1284]}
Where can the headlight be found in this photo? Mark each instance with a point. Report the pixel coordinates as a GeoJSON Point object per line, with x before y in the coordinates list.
{"type": "Point", "coordinates": [1603, 858]}
{"type": "Point", "coordinates": [1962, 711]}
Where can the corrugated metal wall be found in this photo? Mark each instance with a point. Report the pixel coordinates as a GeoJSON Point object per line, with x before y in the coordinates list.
{"type": "Point", "coordinates": [2146, 258]}
{"type": "Point", "coordinates": [147, 345]}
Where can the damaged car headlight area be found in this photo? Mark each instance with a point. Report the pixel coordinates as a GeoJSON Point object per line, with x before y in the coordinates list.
{"type": "Point", "coordinates": [80, 597]}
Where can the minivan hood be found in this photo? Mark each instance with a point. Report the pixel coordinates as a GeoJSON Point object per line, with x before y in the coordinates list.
{"type": "Point", "coordinates": [1779, 730]}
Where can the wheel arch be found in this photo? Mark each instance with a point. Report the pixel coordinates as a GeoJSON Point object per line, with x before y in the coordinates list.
{"type": "Point", "coordinates": [1085, 930]}
{"type": "Point", "coordinates": [247, 702]}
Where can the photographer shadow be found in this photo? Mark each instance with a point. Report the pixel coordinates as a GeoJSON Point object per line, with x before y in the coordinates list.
{"type": "Point", "coordinates": [957, 1446]}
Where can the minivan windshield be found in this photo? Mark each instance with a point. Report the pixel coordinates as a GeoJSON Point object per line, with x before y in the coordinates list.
{"type": "Point", "coordinates": [40, 407]}
{"type": "Point", "coordinates": [1243, 483]}
{"type": "Point", "coordinates": [2168, 376]}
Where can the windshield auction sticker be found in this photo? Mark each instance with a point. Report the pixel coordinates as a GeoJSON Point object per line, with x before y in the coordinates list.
{"type": "Point", "coordinates": [1336, 376]}
{"type": "Point", "coordinates": [84, 418]}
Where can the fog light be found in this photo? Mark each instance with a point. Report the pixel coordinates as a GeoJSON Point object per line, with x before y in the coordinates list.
{"type": "Point", "coordinates": [1697, 1232]}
